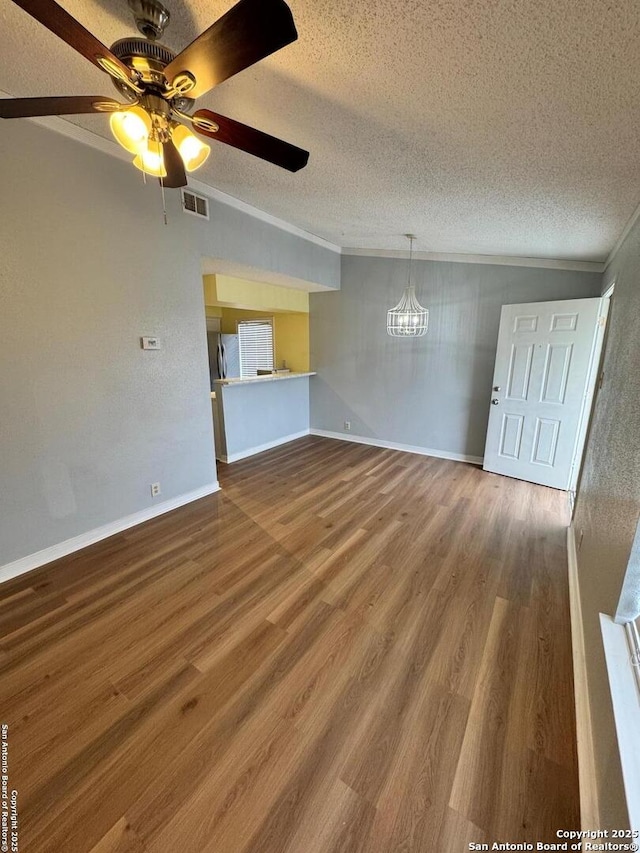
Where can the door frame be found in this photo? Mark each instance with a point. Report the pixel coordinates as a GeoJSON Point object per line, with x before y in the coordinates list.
{"type": "Point", "coordinates": [590, 389]}
{"type": "Point", "coordinates": [596, 383]}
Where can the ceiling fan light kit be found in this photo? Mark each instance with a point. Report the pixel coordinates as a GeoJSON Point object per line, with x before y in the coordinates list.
{"type": "Point", "coordinates": [193, 151]}
{"type": "Point", "coordinates": [145, 128]}
{"type": "Point", "coordinates": [408, 319]}
{"type": "Point", "coordinates": [150, 160]}
{"type": "Point", "coordinates": [131, 128]}
{"type": "Point", "coordinates": [160, 86]}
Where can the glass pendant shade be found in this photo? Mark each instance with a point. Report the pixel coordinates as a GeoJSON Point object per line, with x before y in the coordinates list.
{"type": "Point", "coordinates": [408, 319]}
{"type": "Point", "coordinates": [131, 128]}
{"type": "Point", "coordinates": [151, 160]}
{"type": "Point", "coordinates": [193, 151]}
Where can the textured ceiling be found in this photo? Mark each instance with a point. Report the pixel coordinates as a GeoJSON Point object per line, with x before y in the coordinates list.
{"type": "Point", "coordinates": [506, 127]}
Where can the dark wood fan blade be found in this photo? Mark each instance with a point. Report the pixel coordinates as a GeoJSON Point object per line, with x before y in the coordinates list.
{"type": "Point", "coordinates": [60, 22]}
{"type": "Point", "coordinates": [252, 141]}
{"type": "Point", "coordinates": [248, 32]}
{"type": "Point", "coordinates": [26, 107]}
{"type": "Point", "coordinates": [176, 175]}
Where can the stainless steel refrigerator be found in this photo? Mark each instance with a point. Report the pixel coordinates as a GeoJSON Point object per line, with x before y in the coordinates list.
{"type": "Point", "coordinates": [224, 356]}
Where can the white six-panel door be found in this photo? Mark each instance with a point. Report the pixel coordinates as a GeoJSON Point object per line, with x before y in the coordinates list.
{"type": "Point", "coordinates": [544, 362]}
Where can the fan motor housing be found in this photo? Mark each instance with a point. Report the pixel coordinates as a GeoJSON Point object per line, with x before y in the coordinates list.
{"type": "Point", "coordinates": [149, 58]}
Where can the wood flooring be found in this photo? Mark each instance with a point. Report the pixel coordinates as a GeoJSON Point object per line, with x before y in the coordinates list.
{"type": "Point", "coordinates": [347, 649]}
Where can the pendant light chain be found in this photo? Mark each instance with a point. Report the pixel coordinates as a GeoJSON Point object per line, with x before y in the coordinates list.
{"type": "Point", "coordinates": [411, 239]}
{"type": "Point", "coordinates": [408, 319]}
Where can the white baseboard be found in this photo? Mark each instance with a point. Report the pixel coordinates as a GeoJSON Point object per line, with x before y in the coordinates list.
{"type": "Point", "coordinates": [243, 454]}
{"type": "Point", "coordinates": [62, 549]}
{"type": "Point", "coordinates": [589, 808]}
{"type": "Point", "coordinates": [392, 445]}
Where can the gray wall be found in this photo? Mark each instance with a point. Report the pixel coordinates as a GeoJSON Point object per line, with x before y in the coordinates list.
{"type": "Point", "coordinates": [234, 236]}
{"type": "Point", "coordinates": [431, 392]}
{"type": "Point", "coordinates": [87, 419]}
{"type": "Point", "coordinates": [608, 504]}
{"type": "Point", "coordinates": [262, 412]}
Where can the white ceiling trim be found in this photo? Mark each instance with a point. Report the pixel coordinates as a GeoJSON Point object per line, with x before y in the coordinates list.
{"type": "Point", "coordinates": [80, 134]}
{"type": "Point", "coordinates": [106, 146]}
{"type": "Point", "coordinates": [497, 260]}
{"type": "Point", "coordinates": [491, 154]}
{"type": "Point", "coordinates": [236, 203]}
{"type": "Point", "coordinates": [632, 221]}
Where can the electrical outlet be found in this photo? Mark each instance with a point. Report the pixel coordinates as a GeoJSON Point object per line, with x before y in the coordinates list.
{"type": "Point", "coordinates": [347, 425]}
{"type": "Point", "coordinates": [155, 490]}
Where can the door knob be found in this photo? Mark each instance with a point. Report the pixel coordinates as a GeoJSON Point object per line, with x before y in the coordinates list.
{"type": "Point", "coordinates": [496, 387]}
{"type": "Point", "coordinates": [495, 401]}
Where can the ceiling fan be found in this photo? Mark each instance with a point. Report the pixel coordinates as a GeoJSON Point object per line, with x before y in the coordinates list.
{"type": "Point", "coordinates": [160, 87]}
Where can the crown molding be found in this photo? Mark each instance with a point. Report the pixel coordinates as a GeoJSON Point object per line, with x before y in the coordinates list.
{"type": "Point", "coordinates": [625, 233]}
{"type": "Point", "coordinates": [496, 260]}
{"type": "Point", "coordinates": [245, 207]}
{"type": "Point", "coordinates": [106, 146]}
{"type": "Point", "coordinates": [80, 134]}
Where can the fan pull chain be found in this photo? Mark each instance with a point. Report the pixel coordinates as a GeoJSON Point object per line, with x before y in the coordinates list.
{"type": "Point", "coordinates": [164, 204]}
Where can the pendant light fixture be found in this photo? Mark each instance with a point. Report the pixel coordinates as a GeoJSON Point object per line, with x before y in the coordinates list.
{"type": "Point", "coordinates": [408, 319]}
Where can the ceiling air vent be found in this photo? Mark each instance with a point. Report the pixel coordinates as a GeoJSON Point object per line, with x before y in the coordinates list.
{"type": "Point", "coordinates": [196, 205]}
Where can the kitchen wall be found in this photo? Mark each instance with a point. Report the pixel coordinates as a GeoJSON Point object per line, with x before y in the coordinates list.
{"type": "Point", "coordinates": [253, 295]}
{"type": "Point", "coordinates": [292, 341]}
{"type": "Point", "coordinates": [87, 419]}
{"type": "Point", "coordinates": [290, 334]}
{"type": "Point", "coordinates": [608, 506]}
{"type": "Point", "coordinates": [234, 299]}
{"type": "Point", "coordinates": [431, 392]}
{"type": "Point", "coordinates": [230, 317]}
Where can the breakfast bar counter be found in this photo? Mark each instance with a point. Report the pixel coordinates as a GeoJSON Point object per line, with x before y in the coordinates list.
{"type": "Point", "coordinates": [258, 413]}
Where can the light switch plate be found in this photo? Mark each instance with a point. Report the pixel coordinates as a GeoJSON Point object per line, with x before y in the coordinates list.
{"type": "Point", "coordinates": [150, 343]}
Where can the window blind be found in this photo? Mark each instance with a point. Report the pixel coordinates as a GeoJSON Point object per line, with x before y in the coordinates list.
{"type": "Point", "coordinates": [255, 338]}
